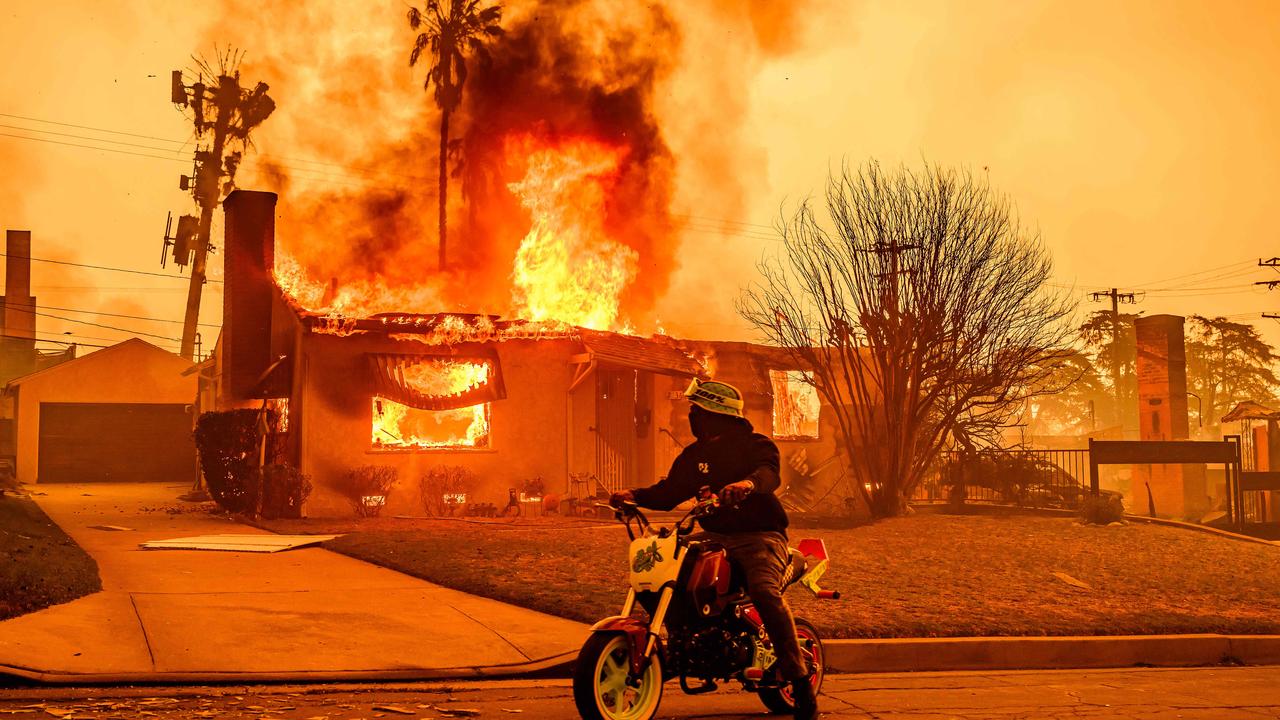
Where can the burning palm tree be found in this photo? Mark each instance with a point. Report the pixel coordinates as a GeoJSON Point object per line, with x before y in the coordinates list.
{"type": "Point", "coordinates": [450, 31]}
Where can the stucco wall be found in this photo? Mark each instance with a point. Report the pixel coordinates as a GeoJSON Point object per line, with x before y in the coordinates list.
{"type": "Point", "coordinates": [334, 415]}
{"type": "Point", "coordinates": [131, 372]}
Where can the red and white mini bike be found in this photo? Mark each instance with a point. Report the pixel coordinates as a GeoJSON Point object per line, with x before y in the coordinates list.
{"type": "Point", "coordinates": [700, 626]}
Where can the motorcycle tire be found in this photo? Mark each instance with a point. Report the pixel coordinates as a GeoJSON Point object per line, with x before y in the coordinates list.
{"type": "Point", "coordinates": [778, 700]}
{"type": "Point", "coordinates": [599, 681]}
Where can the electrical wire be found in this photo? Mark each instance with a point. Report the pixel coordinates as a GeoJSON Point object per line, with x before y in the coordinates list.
{"type": "Point", "coordinates": [1199, 272]}
{"type": "Point", "coordinates": [107, 314]}
{"type": "Point", "coordinates": [104, 267]}
{"type": "Point", "coordinates": [94, 324]}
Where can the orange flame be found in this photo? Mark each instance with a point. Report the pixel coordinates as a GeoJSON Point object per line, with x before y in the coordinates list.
{"type": "Point", "coordinates": [400, 426]}
{"type": "Point", "coordinates": [567, 267]}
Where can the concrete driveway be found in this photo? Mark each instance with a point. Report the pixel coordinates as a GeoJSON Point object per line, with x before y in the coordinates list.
{"type": "Point", "coordinates": [188, 616]}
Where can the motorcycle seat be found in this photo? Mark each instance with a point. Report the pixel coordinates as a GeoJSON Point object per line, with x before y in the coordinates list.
{"type": "Point", "coordinates": [795, 569]}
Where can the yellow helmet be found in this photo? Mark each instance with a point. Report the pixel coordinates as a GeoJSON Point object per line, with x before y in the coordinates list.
{"type": "Point", "coordinates": [716, 397]}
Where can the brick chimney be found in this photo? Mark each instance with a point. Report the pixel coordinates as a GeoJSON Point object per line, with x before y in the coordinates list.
{"type": "Point", "coordinates": [248, 261]}
{"type": "Point", "coordinates": [17, 336]}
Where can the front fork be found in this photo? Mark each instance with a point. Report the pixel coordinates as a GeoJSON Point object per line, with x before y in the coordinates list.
{"type": "Point", "coordinates": [644, 644]}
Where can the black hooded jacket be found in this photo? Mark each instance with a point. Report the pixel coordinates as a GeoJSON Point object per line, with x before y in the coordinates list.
{"type": "Point", "coordinates": [736, 453]}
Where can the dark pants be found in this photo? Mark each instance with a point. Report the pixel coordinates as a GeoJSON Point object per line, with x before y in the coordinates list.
{"type": "Point", "coordinates": [764, 557]}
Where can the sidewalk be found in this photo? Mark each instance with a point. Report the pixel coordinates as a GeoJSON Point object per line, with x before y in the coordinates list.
{"type": "Point", "coordinates": [308, 614]}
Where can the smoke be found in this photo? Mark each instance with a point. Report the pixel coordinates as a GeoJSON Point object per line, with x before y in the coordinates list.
{"type": "Point", "coordinates": [352, 147]}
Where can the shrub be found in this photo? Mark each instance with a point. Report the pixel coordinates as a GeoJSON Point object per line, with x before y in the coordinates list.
{"type": "Point", "coordinates": [367, 488]}
{"type": "Point", "coordinates": [227, 443]}
{"type": "Point", "coordinates": [443, 480]}
{"type": "Point", "coordinates": [284, 490]}
{"type": "Point", "coordinates": [1103, 508]}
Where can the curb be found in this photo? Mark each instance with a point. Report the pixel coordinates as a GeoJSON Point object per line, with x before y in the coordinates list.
{"type": "Point", "coordinates": [896, 655]}
{"type": "Point", "coordinates": [554, 666]}
{"type": "Point", "coordinates": [1048, 653]}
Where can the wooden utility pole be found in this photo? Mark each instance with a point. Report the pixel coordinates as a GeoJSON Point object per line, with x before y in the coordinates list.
{"type": "Point", "coordinates": [236, 113]}
{"type": "Point", "coordinates": [208, 194]}
{"type": "Point", "coordinates": [1117, 297]}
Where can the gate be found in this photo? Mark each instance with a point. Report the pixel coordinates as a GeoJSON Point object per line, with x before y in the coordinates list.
{"type": "Point", "coordinates": [615, 427]}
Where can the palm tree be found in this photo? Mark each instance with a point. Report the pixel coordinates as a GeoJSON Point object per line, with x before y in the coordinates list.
{"type": "Point", "coordinates": [451, 30]}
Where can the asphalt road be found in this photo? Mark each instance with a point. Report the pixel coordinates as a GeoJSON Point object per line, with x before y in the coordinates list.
{"type": "Point", "coordinates": [1216, 693]}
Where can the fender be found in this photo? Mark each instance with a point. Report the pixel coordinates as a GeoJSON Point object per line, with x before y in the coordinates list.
{"type": "Point", "coordinates": [636, 631]}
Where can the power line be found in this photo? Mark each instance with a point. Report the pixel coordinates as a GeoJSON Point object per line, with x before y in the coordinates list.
{"type": "Point", "coordinates": [87, 127]}
{"type": "Point", "coordinates": [105, 314]}
{"type": "Point", "coordinates": [103, 267]}
{"type": "Point", "coordinates": [87, 137]}
{"type": "Point", "coordinates": [340, 166]}
{"type": "Point", "coordinates": [94, 147]}
{"type": "Point", "coordinates": [1200, 272]}
{"type": "Point", "coordinates": [94, 324]}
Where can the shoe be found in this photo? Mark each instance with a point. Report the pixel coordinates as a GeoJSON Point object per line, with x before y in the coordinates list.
{"type": "Point", "coordinates": [805, 702]}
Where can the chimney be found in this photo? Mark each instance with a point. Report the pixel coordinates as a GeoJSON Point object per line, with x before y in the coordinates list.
{"type": "Point", "coordinates": [19, 306]}
{"type": "Point", "coordinates": [248, 261]}
{"type": "Point", "coordinates": [18, 319]}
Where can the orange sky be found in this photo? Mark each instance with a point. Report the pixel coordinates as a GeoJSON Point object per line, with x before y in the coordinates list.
{"type": "Point", "coordinates": [1140, 138]}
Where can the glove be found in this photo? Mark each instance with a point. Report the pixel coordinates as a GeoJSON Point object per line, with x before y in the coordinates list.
{"type": "Point", "coordinates": [622, 496]}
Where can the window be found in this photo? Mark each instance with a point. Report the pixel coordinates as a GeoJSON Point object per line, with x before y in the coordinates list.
{"type": "Point", "coordinates": [795, 405]}
{"type": "Point", "coordinates": [400, 426]}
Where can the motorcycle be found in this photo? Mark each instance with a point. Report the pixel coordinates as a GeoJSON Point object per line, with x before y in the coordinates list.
{"type": "Point", "coordinates": [700, 625]}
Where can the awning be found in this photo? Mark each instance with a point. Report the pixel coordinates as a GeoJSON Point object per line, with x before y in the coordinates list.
{"type": "Point", "coordinates": [389, 381]}
{"type": "Point", "coordinates": [1250, 410]}
{"type": "Point", "coordinates": [655, 355]}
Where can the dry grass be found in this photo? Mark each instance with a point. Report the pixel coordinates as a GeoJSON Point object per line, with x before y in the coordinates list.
{"type": "Point", "coordinates": [39, 564]}
{"type": "Point", "coordinates": [919, 576]}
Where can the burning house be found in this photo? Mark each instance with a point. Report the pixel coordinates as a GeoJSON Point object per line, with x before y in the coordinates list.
{"type": "Point", "coordinates": [508, 400]}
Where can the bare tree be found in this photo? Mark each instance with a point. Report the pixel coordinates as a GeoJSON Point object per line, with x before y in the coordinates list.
{"type": "Point", "coordinates": [922, 309]}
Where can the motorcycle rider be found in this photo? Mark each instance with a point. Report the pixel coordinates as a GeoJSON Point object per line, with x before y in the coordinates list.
{"type": "Point", "coordinates": [741, 466]}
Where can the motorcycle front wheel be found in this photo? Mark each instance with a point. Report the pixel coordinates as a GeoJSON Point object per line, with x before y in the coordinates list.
{"type": "Point", "coordinates": [778, 699]}
{"type": "Point", "coordinates": [600, 687]}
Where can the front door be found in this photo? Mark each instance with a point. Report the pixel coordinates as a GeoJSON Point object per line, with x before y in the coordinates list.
{"type": "Point", "coordinates": [616, 427]}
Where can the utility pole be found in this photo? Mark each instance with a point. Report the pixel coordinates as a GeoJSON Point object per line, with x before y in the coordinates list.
{"type": "Point", "coordinates": [1117, 297]}
{"type": "Point", "coordinates": [236, 112]}
{"type": "Point", "coordinates": [1273, 263]}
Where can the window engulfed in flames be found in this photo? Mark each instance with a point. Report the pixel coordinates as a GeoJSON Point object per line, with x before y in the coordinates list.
{"type": "Point", "coordinates": [397, 426]}
{"type": "Point", "coordinates": [795, 406]}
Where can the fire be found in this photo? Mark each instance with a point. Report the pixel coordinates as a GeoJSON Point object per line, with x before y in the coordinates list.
{"type": "Point", "coordinates": [568, 268]}
{"type": "Point", "coordinates": [353, 298]}
{"type": "Point", "coordinates": [400, 426]}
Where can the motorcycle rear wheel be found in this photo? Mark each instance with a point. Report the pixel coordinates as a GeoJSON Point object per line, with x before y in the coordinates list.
{"type": "Point", "coordinates": [778, 699]}
{"type": "Point", "coordinates": [599, 682]}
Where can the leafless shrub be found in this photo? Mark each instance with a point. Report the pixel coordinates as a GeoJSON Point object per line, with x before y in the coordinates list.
{"type": "Point", "coordinates": [367, 488]}
{"type": "Point", "coordinates": [444, 488]}
{"type": "Point", "coordinates": [923, 310]}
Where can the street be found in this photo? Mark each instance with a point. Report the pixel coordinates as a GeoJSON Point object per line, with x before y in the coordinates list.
{"type": "Point", "coordinates": [1216, 693]}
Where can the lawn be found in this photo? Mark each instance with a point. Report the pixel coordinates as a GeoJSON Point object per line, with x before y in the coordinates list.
{"type": "Point", "coordinates": [925, 575]}
{"type": "Point", "coordinates": [39, 565]}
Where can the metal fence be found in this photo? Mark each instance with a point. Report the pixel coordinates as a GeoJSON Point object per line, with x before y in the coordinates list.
{"type": "Point", "coordinates": [1028, 478]}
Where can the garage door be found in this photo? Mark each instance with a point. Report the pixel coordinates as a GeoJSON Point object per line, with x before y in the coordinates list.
{"type": "Point", "coordinates": [115, 442]}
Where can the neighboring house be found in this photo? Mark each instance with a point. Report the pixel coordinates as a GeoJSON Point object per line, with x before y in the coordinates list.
{"type": "Point", "coordinates": [507, 400]}
{"type": "Point", "coordinates": [119, 414]}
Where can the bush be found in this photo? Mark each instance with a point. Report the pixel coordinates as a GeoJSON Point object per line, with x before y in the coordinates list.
{"type": "Point", "coordinates": [1103, 508]}
{"type": "Point", "coordinates": [227, 443]}
{"type": "Point", "coordinates": [444, 480]}
{"type": "Point", "coordinates": [284, 490]}
{"type": "Point", "coordinates": [367, 488]}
